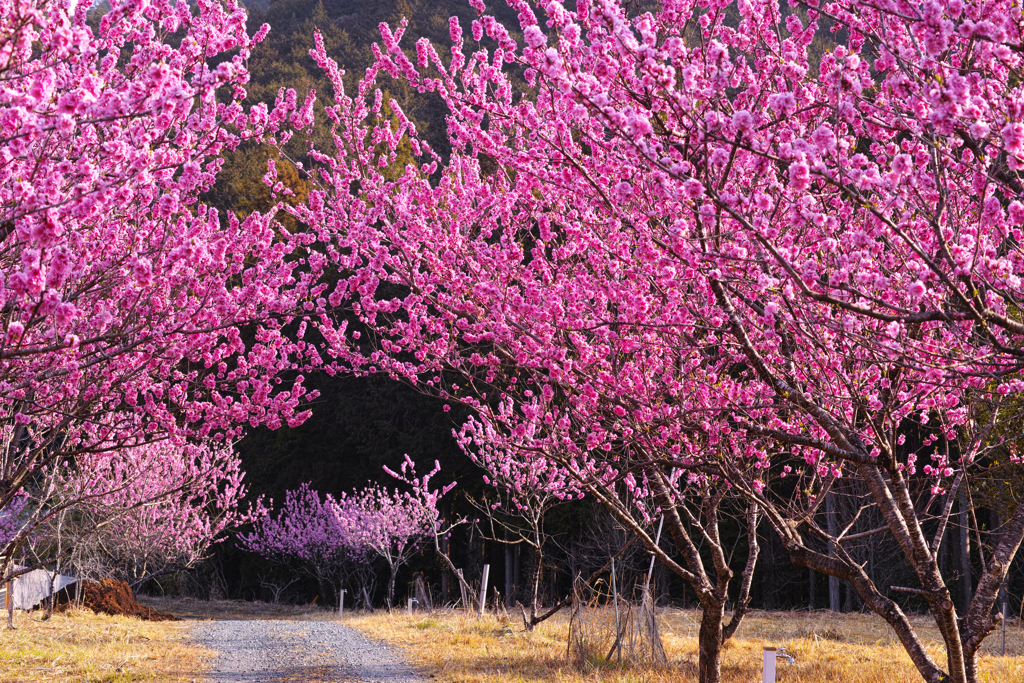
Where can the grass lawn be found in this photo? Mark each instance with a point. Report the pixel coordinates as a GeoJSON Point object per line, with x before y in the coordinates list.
{"type": "Point", "coordinates": [460, 647]}
{"type": "Point", "coordinates": [84, 647]}
{"type": "Point", "coordinates": [828, 648]}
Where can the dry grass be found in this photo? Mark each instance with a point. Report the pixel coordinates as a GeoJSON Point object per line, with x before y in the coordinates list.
{"type": "Point", "coordinates": [828, 648]}
{"type": "Point", "coordinates": [79, 646]}
{"type": "Point", "coordinates": [190, 608]}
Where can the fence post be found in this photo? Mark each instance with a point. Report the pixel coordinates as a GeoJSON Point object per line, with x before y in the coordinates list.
{"type": "Point", "coordinates": [341, 602]}
{"type": "Point", "coordinates": [483, 588]}
{"type": "Point", "coordinates": [422, 596]}
{"type": "Point", "coordinates": [768, 671]}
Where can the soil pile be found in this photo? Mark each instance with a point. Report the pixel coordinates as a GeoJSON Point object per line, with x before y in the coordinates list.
{"type": "Point", "coordinates": [110, 596]}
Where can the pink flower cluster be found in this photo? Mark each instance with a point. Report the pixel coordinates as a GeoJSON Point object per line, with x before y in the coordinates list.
{"type": "Point", "coordinates": [333, 534]}
{"type": "Point", "coordinates": [131, 312]}
{"type": "Point", "coordinates": [701, 254]}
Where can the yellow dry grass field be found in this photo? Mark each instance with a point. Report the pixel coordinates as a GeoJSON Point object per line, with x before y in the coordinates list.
{"type": "Point", "coordinates": [191, 608]}
{"type": "Point", "coordinates": [828, 648]}
{"type": "Point", "coordinates": [81, 647]}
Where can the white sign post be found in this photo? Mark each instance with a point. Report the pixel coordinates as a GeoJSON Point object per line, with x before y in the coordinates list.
{"type": "Point", "coordinates": [768, 672]}
{"type": "Point", "coordinates": [341, 603]}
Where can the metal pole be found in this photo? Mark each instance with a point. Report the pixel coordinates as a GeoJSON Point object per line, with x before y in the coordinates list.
{"type": "Point", "coordinates": [341, 603]}
{"type": "Point", "coordinates": [483, 588]}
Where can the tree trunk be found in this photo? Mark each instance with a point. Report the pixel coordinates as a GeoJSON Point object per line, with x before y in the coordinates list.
{"type": "Point", "coordinates": [709, 642]}
{"type": "Point", "coordinates": [535, 576]}
{"type": "Point", "coordinates": [875, 601]}
{"type": "Point", "coordinates": [445, 581]}
{"type": "Point", "coordinates": [441, 546]}
{"type": "Point", "coordinates": [517, 571]}
{"type": "Point", "coordinates": [5, 570]}
{"type": "Point", "coordinates": [391, 584]}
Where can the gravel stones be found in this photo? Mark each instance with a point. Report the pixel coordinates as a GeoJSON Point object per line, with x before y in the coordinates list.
{"type": "Point", "coordinates": [269, 651]}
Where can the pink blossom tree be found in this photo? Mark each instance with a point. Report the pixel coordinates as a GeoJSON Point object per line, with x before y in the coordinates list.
{"type": "Point", "coordinates": [700, 250]}
{"type": "Point", "coordinates": [332, 537]}
{"type": "Point", "coordinates": [143, 512]}
{"type": "Point", "coordinates": [131, 312]}
{"type": "Point", "coordinates": [395, 525]}
{"type": "Point", "coordinates": [459, 273]}
{"type": "Point", "coordinates": [309, 535]}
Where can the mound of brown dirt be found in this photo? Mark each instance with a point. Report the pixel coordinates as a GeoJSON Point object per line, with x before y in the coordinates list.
{"type": "Point", "coordinates": [110, 596]}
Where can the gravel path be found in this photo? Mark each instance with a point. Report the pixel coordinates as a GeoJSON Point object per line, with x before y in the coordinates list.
{"type": "Point", "coordinates": [265, 651]}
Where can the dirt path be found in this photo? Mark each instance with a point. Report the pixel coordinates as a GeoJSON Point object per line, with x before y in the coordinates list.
{"type": "Point", "coordinates": [269, 651]}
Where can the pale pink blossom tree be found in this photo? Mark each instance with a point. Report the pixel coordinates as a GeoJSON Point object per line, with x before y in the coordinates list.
{"type": "Point", "coordinates": [395, 525]}
{"type": "Point", "coordinates": [523, 488]}
{"type": "Point", "coordinates": [12, 519]}
{"type": "Point", "coordinates": [145, 512]}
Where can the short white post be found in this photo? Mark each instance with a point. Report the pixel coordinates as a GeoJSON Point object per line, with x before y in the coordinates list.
{"type": "Point", "coordinates": [768, 672]}
{"type": "Point", "coordinates": [483, 588]}
{"type": "Point", "coordinates": [341, 602]}
{"type": "Point", "coordinates": [411, 600]}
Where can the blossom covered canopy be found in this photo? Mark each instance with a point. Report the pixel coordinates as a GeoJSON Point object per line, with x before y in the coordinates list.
{"type": "Point", "coordinates": [131, 311]}
{"type": "Point", "coordinates": [695, 246]}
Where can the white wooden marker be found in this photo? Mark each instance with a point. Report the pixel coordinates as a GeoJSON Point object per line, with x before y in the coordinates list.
{"type": "Point", "coordinates": [341, 603]}
{"type": "Point", "coordinates": [768, 672]}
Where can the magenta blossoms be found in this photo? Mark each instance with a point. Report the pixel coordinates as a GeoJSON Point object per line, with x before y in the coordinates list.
{"type": "Point", "coordinates": [125, 301]}
{"type": "Point", "coordinates": [695, 248]}
{"type": "Point", "coordinates": [333, 538]}
{"type": "Point", "coordinates": [307, 535]}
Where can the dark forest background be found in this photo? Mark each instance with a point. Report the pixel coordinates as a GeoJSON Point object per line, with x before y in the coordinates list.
{"type": "Point", "coordinates": [360, 425]}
